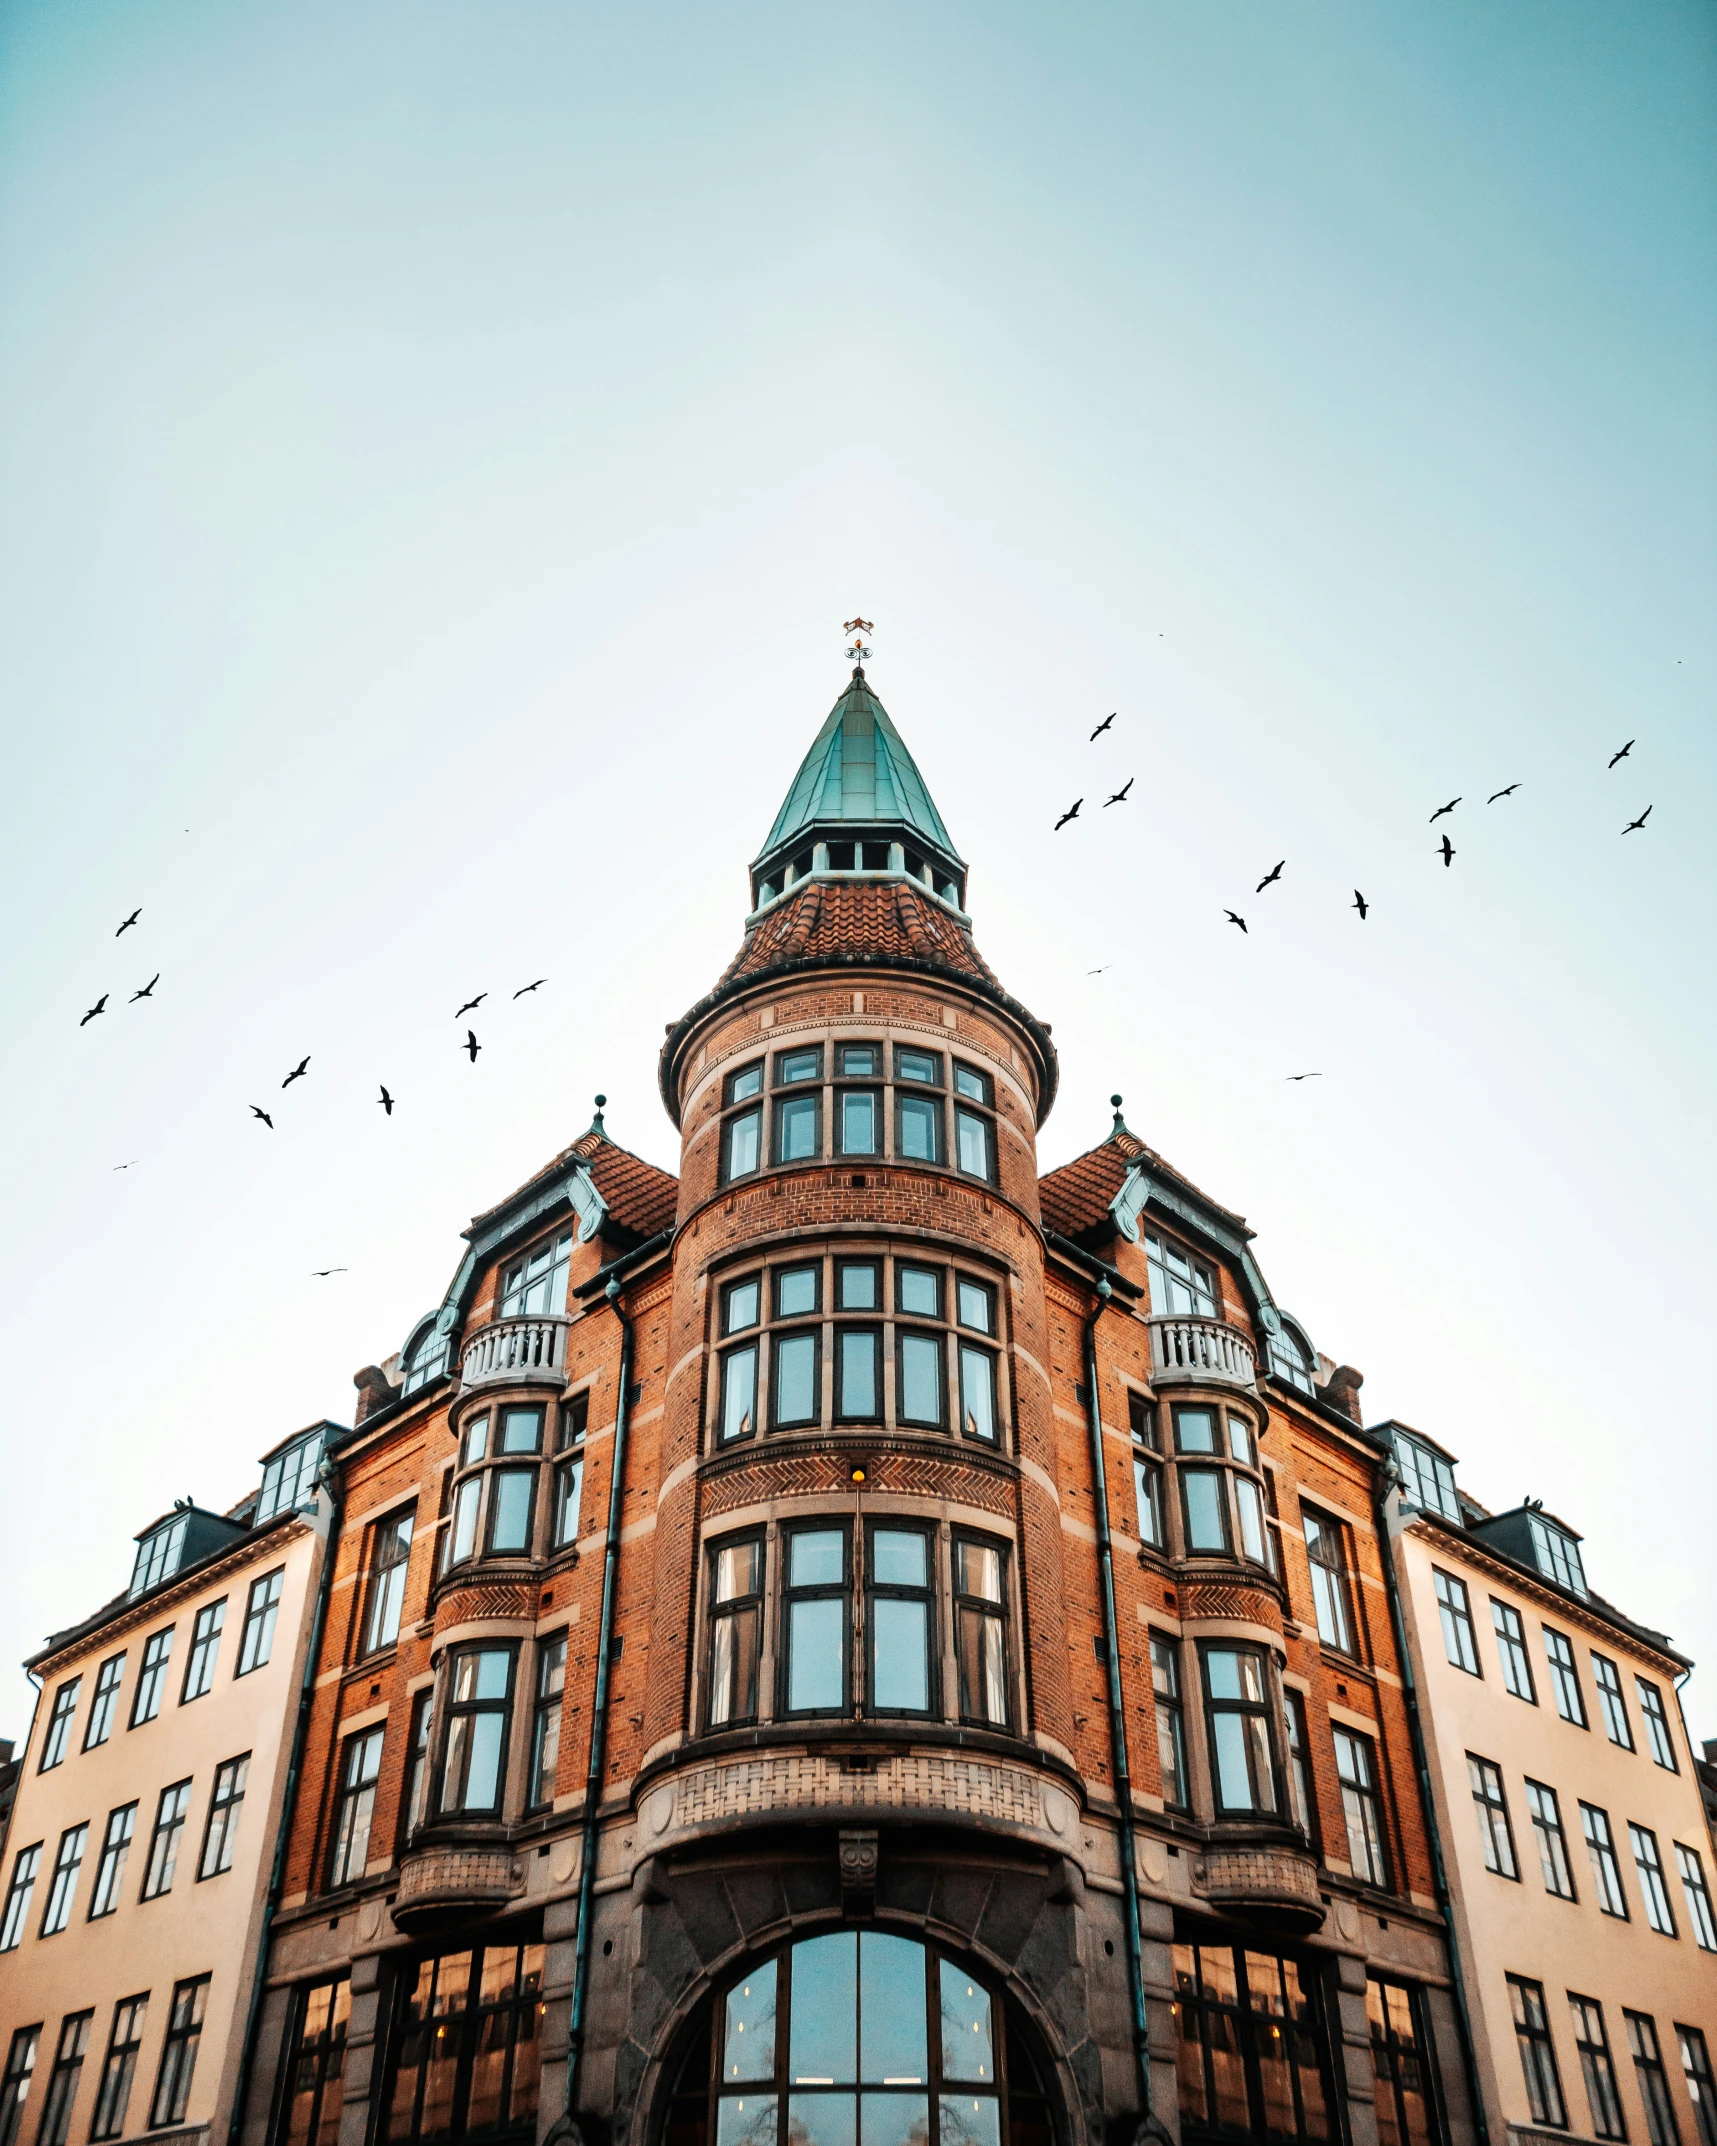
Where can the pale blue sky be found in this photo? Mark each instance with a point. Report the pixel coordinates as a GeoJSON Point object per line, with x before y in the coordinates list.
{"type": "Point", "coordinates": [438, 446]}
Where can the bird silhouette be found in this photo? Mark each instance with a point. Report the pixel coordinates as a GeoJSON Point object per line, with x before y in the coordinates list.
{"type": "Point", "coordinates": [537, 986]}
{"type": "Point", "coordinates": [1614, 757]}
{"type": "Point", "coordinates": [472, 1045]}
{"type": "Point", "coordinates": [148, 988]}
{"type": "Point", "coordinates": [127, 1165]}
{"type": "Point", "coordinates": [100, 1006]}
{"type": "Point", "coordinates": [1441, 809]}
{"type": "Point", "coordinates": [1072, 813]}
{"type": "Point", "coordinates": [316, 1273]}
{"type": "Point", "coordinates": [1269, 878]}
{"type": "Point", "coordinates": [1101, 727]}
{"type": "Point", "coordinates": [472, 1002]}
{"type": "Point", "coordinates": [1361, 904]}
{"type": "Point", "coordinates": [1448, 851]}
{"type": "Point", "coordinates": [1305, 1076]}
{"type": "Point", "coordinates": [1103, 971]}
{"type": "Point", "coordinates": [1120, 796]}
{"type": "Point", "coordinates": [1640, 822]}
{"type": "Point", "coordinates": [130, 920]}
{"type": "Point", "coordinates": [263, 1115]}
{"type": "Point", "coordinates": [386, 1101]}
{"type": "Point", "coordinates": [297, 1073]}
{"type": "Point", "coordinates": [1495, 794]}
{"type": "Point", "coordinates": [1233, 919]}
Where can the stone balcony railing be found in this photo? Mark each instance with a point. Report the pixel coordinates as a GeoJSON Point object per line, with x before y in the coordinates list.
{"type": "Point", "coordinates": [1275, 1885]}
{"type": "Point", "coordinates": [1200, 1352]}
{"type": "Point", "coordinates": [437, 1886]}
{"type": "Point", "coordinates": [528, 1351]}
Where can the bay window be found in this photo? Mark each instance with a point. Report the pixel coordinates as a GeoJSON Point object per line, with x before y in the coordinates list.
{"type": "Point", "coordinates": [512, 1501]}
{"type": "Point", "coordinates": [1237, 1703]}
{"type": "Point", "coordinates": [536, 1284]}
{"type": "Point", "coordinates": [1171, 1722]}
{"type": "Point", "coordinates": [736, 1631]}
{"type": "Point", "coordinates": [816, 1617]}
{"type": "Point", "coordinates": [900, 1621]}
{"type": "Point", "coordinates": [479, 1707]}
{"type": "Point", "coordinates": [1179, 1283]}
{"type": "Point", "coordinates": [980, 1630]}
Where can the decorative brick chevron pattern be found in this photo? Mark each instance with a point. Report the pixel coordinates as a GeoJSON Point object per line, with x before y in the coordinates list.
{"type": "Point", "coordinates": [1243, 1604]}
{"type": "Point", "coordinates": [794, 1475]}
{"type": "Point", "coordinates": [799, 1782]}
{"type": "Point", "coordinates": [468, 1605]}
{"type": "Point", "coordinates": [803, 1475]}
{"type": "Point", "coordinates": [928, 1476]}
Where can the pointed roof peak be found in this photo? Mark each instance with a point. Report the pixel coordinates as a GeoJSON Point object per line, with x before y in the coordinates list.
{"type": "Point", "coordinates": [858, 773]}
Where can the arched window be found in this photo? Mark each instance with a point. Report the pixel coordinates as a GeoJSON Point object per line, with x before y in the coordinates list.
{"type": "Point", "coordinates": [1288, 1359]}
{"type": "Point", "coordinates": [865, 2038]}
{"type": "Point", "coordinates": [426, 1358]}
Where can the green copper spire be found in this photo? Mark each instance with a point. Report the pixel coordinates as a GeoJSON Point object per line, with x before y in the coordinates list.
{"type": "Point", "coordinates": [858, 774]}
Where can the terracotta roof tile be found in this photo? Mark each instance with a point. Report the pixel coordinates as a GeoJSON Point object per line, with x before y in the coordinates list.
{"type": "Point", "coordinates": [1076, 1196]}
{"type": "Point", "coordinates": [640, 1196]}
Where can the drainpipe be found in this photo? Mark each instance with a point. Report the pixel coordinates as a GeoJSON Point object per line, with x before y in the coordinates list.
{"type": "Point", "coordinates": [328, 1477]}
{"type": "Point", "coordinates": [599, 1714]}
{"type": "Point", "coordinates": [1117, 1714]}
{"type": "Point", "coordinates": [1388, 1478]}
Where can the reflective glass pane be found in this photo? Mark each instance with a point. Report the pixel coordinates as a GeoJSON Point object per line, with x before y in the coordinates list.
{"type": "Point", "coordinates": [918, 1290]}
{"type": "Point", "coordinates": [742, 1135]}
{"type": "Point", "coordinates": [975, 1308]}
{"type": "Point", "coordinates": [1233, 1780]}
{"type": "Point", "coordinates": [899, 1558]}
{"type": "Point", "coordinates": [858, 1290]}
{"type": "Point", "coordinates": [973, 1134]}
{"type": "Point", "coordinates": [822, 2045]}
{"type": "Point", "coordinates": [746, 1084]}
{"type": "Point", "coordinates": [796, 1128]}
{"type": "Point", "coordinates": [894, 2120]}
{"type": "Point", "coordinates": [510, 1509]}
{"type": "Point", "coordinates": [739, 1393]}
{"type": "Point", "coordinates": [738, 1570]}
{"type": "Point", "coordinates": [822, 2120]}
{"type": "Point", "coordinates": [1222, 1669]}
{"type": "Point", "coordinates": [521, 1430]}
{"type": "Point", "coordinates": [917, 1065]}
{"type": "Point", "coordinates": [1251, 1510]}
{"type": "Point", "coordinates": [920, 1399]}
{"type": "Point", "coordinates": [748, 2050]}
{"type": "Point", "coordinates": [900, 1640]}
{"type": "Point", "coordinates": [796, 1378]}
{"type": "Point", "coordinates": [745, 2120]}
{"type": "Point", "coordinates": [1203, 1491]}
{"type": "Point", "coordinates": [799, 1065]}
{"type": "Point", "coordinates": [1240, 1439]}
{"type": "Point", "coordinates": [978, 1394]}
{"type": "Point", "coordinates": [815, 1632]}
{"type": "Point", "coordinates": [968, 2050]}
{"type": "Point", "coordinates": [742, 1306]}
{"type": "Point", "coordinates": [858, 1123]}
{"type": "Point", "coordinates": [858, 1060]}
{"type": "Point", "coordinates": [476, 1441]}
{"type": "Point", "coordinates": [795, 1292]}
{"type": "Point", "coordinates": [979, 1570]}
{"type": "Point", "coordinates": [815, 1558]}
{"type": "Point", "coordinates": [893, 2044]}
{"type": "Point", "coordinates": [858, 1363]}
{"type": "Point", "coordinates": [920, 1121]}
{"type": "Point", "coordinates": [1195, 1430]}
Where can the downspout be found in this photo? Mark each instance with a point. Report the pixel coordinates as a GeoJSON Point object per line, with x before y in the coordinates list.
{"type": "Point", "coordinates": [1117, 1715]}
{"type": "Point", "coordinates": [1388, 1478]}
{"type": "Point", "coordinates": [329, 1476]}
{"type": "Point", "coordinates": [599, 1714]}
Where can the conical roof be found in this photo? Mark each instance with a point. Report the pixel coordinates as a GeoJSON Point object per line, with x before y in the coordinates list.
{"type": "Point", "coordinates": [858, 771]}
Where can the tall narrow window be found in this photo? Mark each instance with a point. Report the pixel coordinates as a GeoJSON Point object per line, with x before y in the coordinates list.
{"type": "Point", "coordinates": [1696, 2070]}
{"type": "Point", "coordinates": [1606, 1869]}
{"type": "Point", "coordinates": [390, 1559]}
{"type": "Point", "coordinates": [463, 1538]}
{"type": "Point", "coordinates": [179, 2054]}
{"type": "Point", "coordinates": [860, 1121]}
{"type": "Point", "coordinates": [815, 1617]}
{"type": "Point", "coordinates": [25, 1864]}
{"type": "Point", "coordinates": [898, 1613]}
{"type": "Point", "coordinates": [1455, 1612]}
{"type": "Point", "coordinates": [1401, 2063]}
{"type": "Point", "coordinates": [1564, 1677]}
{"type": "Point", "coordinates": [980, 1631]}
{"type": "Point", "coordinates": [1537, 2053]}
{"type": "Point", "coordinates": [63, 2080]}
{"type": "Point", "coordinates": [1603, 2097]}
{"type": "Point", "coordinates": [741, 1144]}
{"type": "Point", "coordinates": [1552, 1841]}
{"type": "Point", "coordinates": [63, 1886]}
{"type": "Point", "coordinates": [1511, 1651]}
{"type": "Point", "coordinates": [1655, 1893]}
{"type": "Point", "coordinates": [975, 1305]}
{"type": "Point", "coordinates": [1496, 1835]}
{"type": "Point", "coordinates": [545, 1721]}
{"type": "Point", "coordinates": [480, 1690]}
{"type": "Point", "coordinates": [468, 2046]}
{"type": "Point", "coordinates": [568, 1500]}
{"type": "Point", "coordinates": [977, 1393]}
{"type": "Point", "coordinates": [974, 1145]}
{"type": "Point", "coordinates": [355, 1811]}
{"type": "Point", "coordinates": [798, 1128]}
{"type": "Point", "coordinates": [1148, 1496]}
{"type": "Point", "coordinates": [151, 1678]}
{"type": "Point", "coordinates": [739, 1393]}
{"type": "Point", "coordinates": [921, 1392]}
{"type": "Point", "coordinates": [794, 1367]}
{"type": "Point", "coordinates": [1329, 1582]}
{"type": "Point", "coordinates": [1204, 1511]}
{"type": "Point", "coordinates": [917, 1128]}
{"type": "Point", "coordinates": [512, 1506]}
{"type": "Point", "coordinates": [57, 1738]}
{"type": "Point", "coordinates": [262, 1607]}
{"type": "Point", "coordinates": [20, 2069]}
{"type": "Point", "coordinates": [1254, 2046]}
{"type": "Point", "coordinates": [110, 1868]}
{"type": "Point", "coordinates": [413, 1806]}
{"type": "Point", "coordinates": [164, 1840]}
{"type": "Point", "coordinates": [735, 1631]}
{"type": "Point", "coordinates": [858, 1372]}
{"type": "Point", "coordinates": [1656, 1724]}
{"type": "Point", "coordinates": [205, 1649]}
{"type": "Point", "coordinates": [105, 1702]}
{"type": "Point", "coordinates": [1237, 1698]}
{"type": "Point", "coordinates": [1301, 1795]}
{"type": "Point", "coordinates": [1613, 1706]}
{"type": "Point", "coordinates": [220, 1835]}
{"type": "Point", "coordinates": [316, 2064]}
{"type": "Point", "coordinates": [1643, 2046]}
{"type": "Point", "coordinates": [1698, 1898]}
{"type": "Point", "coordinates": [1356, 1769]}
{"type": "Point", "coordinates": [119, 2067]}
{"type": "Point", "coordinates": [1171, 1721]}
{"type": "Point", "coordinates": [1249, 1507]}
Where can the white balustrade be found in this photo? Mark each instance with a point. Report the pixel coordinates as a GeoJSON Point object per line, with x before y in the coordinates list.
{"type": "Point", "coordinates": [1200, 1351]}
{"type": "Point", "coordinates": [529, 1351]}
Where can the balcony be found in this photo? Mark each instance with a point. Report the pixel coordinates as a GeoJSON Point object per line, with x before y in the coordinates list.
{"type": "Point", "coordinates": [440, 1887]}
{"type": "Point", "coordinates": [529, 1351]}
{"type": "Point", "coordinates": [1188, 1351]}
{"type": "Point", "coordinates": [1274, 1886]}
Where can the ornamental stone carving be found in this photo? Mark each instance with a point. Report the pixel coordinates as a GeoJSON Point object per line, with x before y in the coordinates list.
{"type": "Point", "coordinates": [1277, 1885]}
{"type": "Point", "coordinates": [439, 1885]}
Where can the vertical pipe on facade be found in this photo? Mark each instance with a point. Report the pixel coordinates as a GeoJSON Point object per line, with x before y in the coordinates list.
{"type": "Point", "coordinates": [599, 1713]}
{"type": "Point", "coordinates": [328, 1477]}
{"type": "Point", "coordinates": [1388, 1478]}
{"type": "Point", "coordinates": [1117, 1711]}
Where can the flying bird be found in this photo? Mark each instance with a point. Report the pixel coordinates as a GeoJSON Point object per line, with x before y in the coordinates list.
{"type": "Point", "coordinates": [1233, 919]}
{"type": "Point", "coordinates": [1103, 971]}
{"type": "Point", "coordinates": [472, 1045]}
{"type": "Point", "coordinates": [297, 1073]}
{"type": "Point", "coordinates": [471, 1002]}
{"type": "Point", "coordinates": [1441, 809]}
{"type": "Point", "coordinates": [1495, 794]}
{"type": "Point", "coordinates": [127, 1165]}
{"type": "Point", "coordinates": [317, 1273]}
{"type": "Point", "coordinates": [100, 1006]}
{"type": "Point", "coordinates": [263, 1115]}
{"type": "Point", "coordinates": [1361, 904]}
{"type": "Point", "coordinates": [1269, 878]}
{"type": "Point", "coordinates": [136, 913]}
{"type": "Point", "coordinates": [147, 989]}
{"type": "Point", "coordinates": [1448, 851]}
{"type": "Point", "coordinates": [1101, 727]}
{"type": "Point", "coordinates": [537, 986]}
{"type": "Point", "coordinates": [1120, 796]}
{"type": "Point", "coordinates": [1305, 1076]}
{"type": "Point", "coordinates": [1640, 822]}
{"type": "Point", "coordinates": [1614, 757]}
{"type": "Point", "coordinates": [1072, 813]}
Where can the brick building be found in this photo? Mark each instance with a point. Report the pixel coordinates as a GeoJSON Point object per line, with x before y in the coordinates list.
{"type": "Point", "coordinates": [860, 1642]}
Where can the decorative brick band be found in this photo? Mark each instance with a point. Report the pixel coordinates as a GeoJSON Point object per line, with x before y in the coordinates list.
{"type": "Point", "coordinates": [1245, 1605]}
{"type": "Point", "coordinates": [471, 1605]}
{"type": "Point", "coordinates": [804, 1475]}
{"type": "Point", "coordinates": [799, 1782]}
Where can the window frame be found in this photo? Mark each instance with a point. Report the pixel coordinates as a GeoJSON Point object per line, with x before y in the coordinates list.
{"type": "Point", "coordinates": [220, 1826]}
{"type": "Point", "coordinates": [166, 1836]}
{"type": "Point", "coordinates": [70, 2049]}
{"type": "Point", "coordinates": [1516, 1664]}
{"type": "Point", "coordinates": [455, 1711]}
{"type": "Point", "coordinates": [202, 1655]}
{"type": "Point", "coordinates": [925, 1105]}
{"type": "Point", "coordinates": [1659, 1736]}
{"type": "Point", "coordinates": [1456, 1619]}
{"type": "Point", "coordinates": [315, 2060]}
{"type": "Point", "coordinates": [789, 1108]}
{"type": "Point", "coordinates": [530, 1472]}
{"type": "Point", "coordinates": [1496, 1826]}
{"type": "Point", "coordinates": [179, 2051]}
{"type": "Point", "coordinates": [1565, 1676]}
{"type": "Point", "coordinates": [517, 1282]}
{"type": "Point", "coordinates": [1537, 2047]}
{"type": "Point", "coordinates": [20, 1895]}
{"type": "Point", "coordinates": [104, 1701]}
{"type": "Point", "coordinates": [16, 2081]}
{"type": "Point", "coordinates": [1597, 2067]}
{"type": "Point", "coordinates": [968, 1353]}
{"type": "Point", "coordinates": [748, 1116]}
{"type": "Point", "coordinates": [923, 1596]}
{"type": "Point", "coordinates": [1653, 1880]}
{"type": "Point", "coordinates": [847, 1334]}
{"type": "Point", "coordinates": [936, 1338]}
{"type": "Point", "coordinates": [1651, 2077]}
{"type": "Point", "coordinates": [1544, 1814]}
{"type": "Point", "coordinates": [1697, 1894]}
{"type": "Point", "coordinates": [1605, 1863]}
{"type": "Point", "coordinates": [1362, 1804]}
{"type": "Point", "coordinates": [1202, 1287]}
{"type": "Point", "coordinates": [809, 1591]}
{"type": "Point", "coordinates": [352, 1822]}
{"type": "Point", "coordinates": [1218, 1708]}
{"type": "Point", "coordinates": [57, 1737]}
{"type": "Point", "coordinates": [796, 1336]}
{"type": "Point", "coordinates": [985, 1612]}
{"type": "Point", "coordinates": [1336, 1594]}
{"type": "Point", "coordinates": [116, 1838]}
{"type": "Point", "coordinates": [1698, 2078]}
{"type": "Point", "coordinates": [547, 1711]}
{"type": "Point", "coordinates": [1612, 1701]}
{"type": "Point", "coordinates": [118, 2067]}
{"type": "Point", "coordinates": [151, 1686]}
{"type": "Point", "coordinates": [750, 1606]}
{"type": "Point", "coordinates": [567, 1501]}
{"type": "Point", "coordinates": [63, 1880]}
{"type": "Point", "coordinates": [724, 1405]}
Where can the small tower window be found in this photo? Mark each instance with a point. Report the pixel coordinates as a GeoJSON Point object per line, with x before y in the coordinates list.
{"type": "Point", "coordinates": [874, 856]}
{"type": "Point", "coordinates": [841, 857]}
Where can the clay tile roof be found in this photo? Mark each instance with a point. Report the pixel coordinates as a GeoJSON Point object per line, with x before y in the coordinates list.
{"type": "Point", "coordinates": [1076, 1196]}
{"type": "Point", "coordinates": [639, 1196]}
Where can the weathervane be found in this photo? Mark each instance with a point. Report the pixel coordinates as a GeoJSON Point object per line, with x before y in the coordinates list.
{"type": "Point", "coordinates": [858, 626]}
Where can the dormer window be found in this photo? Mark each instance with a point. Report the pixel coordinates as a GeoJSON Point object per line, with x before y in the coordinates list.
{"type": "Point", "coordinates": [1427, 1479]}
{"type": "Point", "coordinates": [1557, 1555]}
{"type": "Point", "coordinates": [537, 1283]}
{"type": "Point", "coordinates": [1288, 1359]}
{"type": "Point", "coordinates": [289, 1477]}
{"type": "Point", "coordinates": [159, 1556]}
{"type": "Point", "coordinates": [1180, 1284]}
{"type": "Point", "coordinates": [427, 1359]}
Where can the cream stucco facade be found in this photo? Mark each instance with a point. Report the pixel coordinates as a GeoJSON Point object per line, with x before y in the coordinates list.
{"type": "Point", "coordinates": [217, 1729]}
